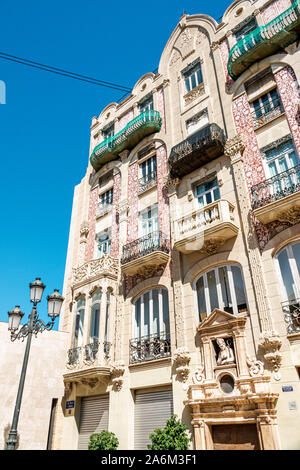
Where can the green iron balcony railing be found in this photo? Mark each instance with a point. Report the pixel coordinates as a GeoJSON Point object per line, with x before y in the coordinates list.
{"type": "Point", "coordinates": [144, 124]}
{"type": "Point", "coordinates": [265, 40]}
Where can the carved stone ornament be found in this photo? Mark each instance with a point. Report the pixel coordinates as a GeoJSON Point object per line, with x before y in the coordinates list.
{"type": "Point", "coordinates": [225, 355]}
{"type": "Point", "coordinates": [117, 371]}
{"type": "Point", "coordinates": [91, 383]}
{"type": "Point", "coordinates": [234, 146]}
{"type": "Point", "coordinates": [270, 343]}
{"type": "Point", "coordinates": [84, 229]}
{"type": "Point", "coordinates": [291, 216]}
{"type": "Point", "coordinates": [104, 266]}
{"type": "Point", "coordinates": [210, 247]}
{"type": "Point", "coordinates": [171, 184]}
{"type": "Point", "coordinates": [182, 359]}
{"type": "Point", "coordinates": [256, 368]}
{"type": "Point", "coordinates": [198, 375]}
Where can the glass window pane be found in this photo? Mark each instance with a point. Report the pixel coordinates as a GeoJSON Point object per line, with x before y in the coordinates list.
{"type": "Point", "coordinates": [187, 84]}
{"type": "Point", "coordinates": [287, 276]}
{"type": "Point", "coordinates": [239, 289]}
{"type": "Point", "coordinates": [146, 331]}
{"type": "Point", "coordinates": [226, 295]}
{"type": "Point", "coordinates": [95, 322]}
{"type": "Point", "coordinates": [296, 252]}
{"type": "Point", "coordinates": [193, 79]}
{"type": "Point", "coordinates": [201, 299]}
{"type": "Point", "coordinates": [213, 295]}
{"type": "Point", "coordinates": [138, 318]}
{"type": "Point", "coordinates": [155, 327]}
{"type": "Point", "coordinates": [166, 325]}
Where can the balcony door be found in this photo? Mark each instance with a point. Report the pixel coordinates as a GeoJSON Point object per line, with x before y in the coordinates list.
{"type": "Point", "coordinates": [207, 192]}
{"type": "Point", "coordinates": [279, 161]}
{"type": "Point", "coordinates": [148, 221]}
{"type": "Point", "coordinates": [288, 267]}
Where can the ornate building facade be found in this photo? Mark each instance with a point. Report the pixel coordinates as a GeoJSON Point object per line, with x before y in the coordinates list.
{"type": "Point", "coordinates": [182, 275]}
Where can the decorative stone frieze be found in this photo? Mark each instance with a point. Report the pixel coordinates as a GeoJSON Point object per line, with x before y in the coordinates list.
{"type": "Point", "coordinates": [194, 94]}
{"type": "Point", "coordinates": [182, 359]}
{"type": "Point", "coordinates": [106, 266]}
{"type": "Point", "coordinates": [270, 343]}
{"type": "Point", "coordinates": [117, 371]}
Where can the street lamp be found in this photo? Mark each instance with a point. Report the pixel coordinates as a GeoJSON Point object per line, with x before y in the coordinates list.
{"type": "Point", "coordinates": [33, 325]}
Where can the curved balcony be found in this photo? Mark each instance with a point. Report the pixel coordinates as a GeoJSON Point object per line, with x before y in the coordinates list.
{"type": "Point", "coordinates": [278, 198]}
{"type": "Point", "coordinates": [144, 124]}
{"type": "Point", "coordinates": [205, 229]}
{"type": "Point", "coordinates": [265, 40]}
{"type": "Point", "coordinates": [197, 150]}
{"type": "Point", "coordinates": [149, 250]}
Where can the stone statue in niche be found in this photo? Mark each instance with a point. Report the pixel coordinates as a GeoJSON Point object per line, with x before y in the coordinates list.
{"type": "Point", "coordinates": [225, 354]}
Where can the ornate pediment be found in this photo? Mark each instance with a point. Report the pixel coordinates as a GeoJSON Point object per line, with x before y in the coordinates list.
{"type": "Point", "coordinates": [218, 318]}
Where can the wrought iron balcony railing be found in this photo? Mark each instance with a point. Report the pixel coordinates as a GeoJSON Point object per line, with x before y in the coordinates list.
{"type": "Point", "coordinates": [154, 241]}
{"type": "Point", "coordinates": [291, 310]}
{"type": "Point", "coordinates": [265, 40]}
{"type": "Point", "coordinates": [144, 124]}
{"type": "Point", "coordinates": [276, 187]}
{"type": "Point", "coordinates": [198, 149]}
{"type": "Point", "coordinates": [149, 348]}
{"type": "Point", "coordinates": [267, 113]}
{"type": "Point", "coordinates": [147, 182]}
{"type": "Point", "coordinates": [88, 353]}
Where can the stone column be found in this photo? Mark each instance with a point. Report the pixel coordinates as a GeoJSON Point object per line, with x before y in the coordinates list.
{"type": "Point", "coordinates": [199, 434]}
{"type": "Point", "coordinates": [234, 150]}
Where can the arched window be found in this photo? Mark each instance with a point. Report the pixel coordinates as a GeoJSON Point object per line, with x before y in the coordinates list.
{"type": "Point", "coordinates": [221, 287]}
{"type": "Point", "coordinates": [79, 320]}
{"type": "Point", "coordinates": [95, 315]}
{"type": "Point", "coordinates": [288, 268]}
{"type": "Point", "coordinates": [150, 327]}
{"type": "Point", "coordinates": [151, 313]}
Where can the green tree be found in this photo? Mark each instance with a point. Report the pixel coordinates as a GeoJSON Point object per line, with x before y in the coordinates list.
{"type": "Point", "coordinates": [172, 437]}
{"type": "Point", "coordinates": [103, 441]}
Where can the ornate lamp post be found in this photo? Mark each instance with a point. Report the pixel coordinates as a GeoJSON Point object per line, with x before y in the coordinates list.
{"type": "Point", "coordinates": [34, 325]}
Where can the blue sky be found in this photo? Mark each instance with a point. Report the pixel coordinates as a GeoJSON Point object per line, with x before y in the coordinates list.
{"type": "Point", "coordinates": [45, 123]}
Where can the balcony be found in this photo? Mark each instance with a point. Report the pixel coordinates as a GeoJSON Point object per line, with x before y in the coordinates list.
{"type": "Point", "coordinates": [268, 113]}
{"type": "Point", "coordinates": [149, 348]}
{"type": "Point", "coordinates": [197, 150]}
{"type": "Point", "coordinates": [106, 266]}
{"type": "Point", "coordinates": [205, 229]}
{"type": "Point", "coordinates": [264, 41]}
{"type": "Point", "coordinates": [144, 124]}
{"type": "Point", "coordinates": [278, 198]}
{"type": "Point", "coordinates": [291, 310]}
{"type": "Point", "coordinates": [149, 250]}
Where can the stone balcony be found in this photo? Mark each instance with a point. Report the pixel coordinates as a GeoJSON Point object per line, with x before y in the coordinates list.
{"type": "Point", "coordinates": [278, 198]}
{"type": "Point", "coordinates": [144, 124]}
{"type": "Point", "coordinates": [106, 266]}
{"type": "Point", "coordinates": [147, 252]}
{"type": "Point", "coordinates": [265, 40]}
{"type": "Point", "coordinates": [205, 229]}
{"type": "Point", "coordinates": [198, 149]}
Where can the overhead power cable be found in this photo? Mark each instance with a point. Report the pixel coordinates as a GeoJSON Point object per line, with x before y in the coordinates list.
{"type": "Point", "coordinates": [66, 73]}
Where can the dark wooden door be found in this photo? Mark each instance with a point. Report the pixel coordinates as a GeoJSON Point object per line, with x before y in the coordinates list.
{"type": "Point", "coordinates": [235, 437]}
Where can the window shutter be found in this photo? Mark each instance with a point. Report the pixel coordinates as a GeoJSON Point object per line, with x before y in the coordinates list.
{"type": "Point", "coordinates": [93, 418]}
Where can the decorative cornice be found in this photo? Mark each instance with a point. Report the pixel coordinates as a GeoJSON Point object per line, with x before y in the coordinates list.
{"type": "Point", "coordinates": [234, 146]}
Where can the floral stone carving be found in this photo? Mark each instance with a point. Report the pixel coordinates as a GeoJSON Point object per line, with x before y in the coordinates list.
{"type": "Point", "coordinates": [270, 343]}
{"type": "Point", "coordinates": [182, 359]}
{"type": "Point", "coordinates": [117, 371]}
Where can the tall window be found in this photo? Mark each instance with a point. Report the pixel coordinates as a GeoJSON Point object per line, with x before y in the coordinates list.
{"type": "Point", "coordinates": [148, 170]}
{"type": "Point", "coordinates": [104, 243]}
{"type": "Point", "coordinates": [146, 105]}
{"type": "Point", "coordinates": [106, 198]}
{"type": "Point", "coordinates": [223, 288]}
{"type": "Point", "coordinates": [267, 103]}
{"type": "Point", "coordinates": [95, 315]}
{"type": "Point", "coordinates": [281, 158]}
{"type": "Point", "coordinates": [79, 320]}
{"type": "Point", "coordinates": [288, 266]}
{"type": "Point", "coordinates": [148, 220]}
{"type": "Point", "coordinates": [193, 77]}
{"type": "Point", "coordinates": [246, 29]}
{"type": "Point", "coordinates": [109, 132]}
{"type": "Point", "coordinates": [151, 314]}
{"type": "Point", "coordinates": [107, 320]}
{"type": "Point", "coordinates": [207, 192]}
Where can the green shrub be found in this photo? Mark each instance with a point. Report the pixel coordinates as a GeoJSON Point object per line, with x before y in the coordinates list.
{"type": "Point", "coordinates": [172, 437]}
{"type": "Point", "coordinates": [103, 441]}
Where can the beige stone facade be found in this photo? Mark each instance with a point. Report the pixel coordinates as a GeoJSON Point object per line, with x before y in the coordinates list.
{"type": "Point", "coordinates": [183, 264]}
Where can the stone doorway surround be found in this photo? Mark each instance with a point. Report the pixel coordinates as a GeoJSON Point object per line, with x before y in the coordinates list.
{"type": "Point", "coordinates": [230, 388]}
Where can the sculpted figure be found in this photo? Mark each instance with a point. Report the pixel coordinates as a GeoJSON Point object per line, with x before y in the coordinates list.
{"type": "Point", "coordinates": [225, 354]}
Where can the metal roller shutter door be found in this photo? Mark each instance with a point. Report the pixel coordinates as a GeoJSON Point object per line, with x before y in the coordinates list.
{"type": "Point", "coordinates": [93, 418]}
{"type": "Point", "coordinates": [152, 410]}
